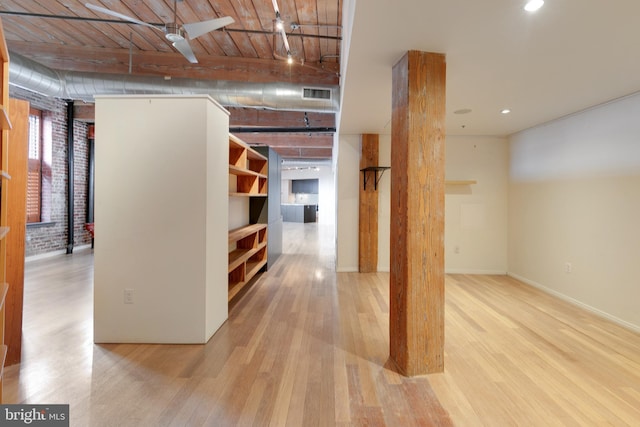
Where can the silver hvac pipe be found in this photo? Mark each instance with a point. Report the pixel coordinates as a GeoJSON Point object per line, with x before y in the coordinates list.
{"type": "Point", "coordinates": [30, 75]}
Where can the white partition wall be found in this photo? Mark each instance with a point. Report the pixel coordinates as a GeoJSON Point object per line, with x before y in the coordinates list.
{"type": "Point", "coordinates": [161, 215]}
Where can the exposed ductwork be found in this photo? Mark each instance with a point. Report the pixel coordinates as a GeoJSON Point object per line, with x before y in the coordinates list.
{"type": "Point", "coordinates": [30, 75]}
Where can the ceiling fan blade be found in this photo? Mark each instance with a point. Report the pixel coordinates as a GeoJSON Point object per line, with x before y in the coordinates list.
{"type": "Point", "coordinates": [185, 49]}
{"type": "Point", "coordinates": [196, 29]}
{"type": "Point", "coordinates": [120, 15]}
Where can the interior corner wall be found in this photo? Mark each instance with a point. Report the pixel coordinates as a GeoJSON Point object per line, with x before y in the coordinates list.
{"type": "Point", "coordinates": [574, 206]}
{"type": "Point", "coordinates": [349, 180]}
{"type": "Point", "coordinates": [476, 214]}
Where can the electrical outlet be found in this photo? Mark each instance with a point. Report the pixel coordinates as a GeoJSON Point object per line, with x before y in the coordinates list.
{"type": "Point", "coordinates": [128, 296]}
{"type": "Point", "coordinates": [568, 268]}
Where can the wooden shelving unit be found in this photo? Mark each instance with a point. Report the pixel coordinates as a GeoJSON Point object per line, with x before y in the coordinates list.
{"type": "Point", "coordinates": [461, 182]}
{"type": "Point", "coordinates": [250, 169]}
{"type": "Point", "coordinates": [5, 126]}
{"type": "Point", "coordinates": [248, 255]}
{"type": "Point", "coordinates": [248, 244]}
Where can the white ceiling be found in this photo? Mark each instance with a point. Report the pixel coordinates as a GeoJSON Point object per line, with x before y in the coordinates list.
{"type": "Point", "coordinates": [567, 56]}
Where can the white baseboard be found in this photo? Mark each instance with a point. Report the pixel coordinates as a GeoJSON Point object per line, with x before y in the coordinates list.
{"type": "Point", "coordinates": [449, 271]}
{"type": "Point", "coordinates": [472, 271]}
{"type": "Point", "coordinates": [597, 312]}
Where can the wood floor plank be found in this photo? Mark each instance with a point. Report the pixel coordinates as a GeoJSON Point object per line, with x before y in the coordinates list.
{"type": "Point", "coordinates": [306, 346]}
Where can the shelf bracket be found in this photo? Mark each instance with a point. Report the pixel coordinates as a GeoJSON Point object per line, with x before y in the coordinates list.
{"type": "Point", "coordinates": [376, 177]}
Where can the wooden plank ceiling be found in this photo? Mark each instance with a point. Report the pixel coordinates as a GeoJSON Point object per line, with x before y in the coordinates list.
{"type": "Point", "coordinates": [66, 35]}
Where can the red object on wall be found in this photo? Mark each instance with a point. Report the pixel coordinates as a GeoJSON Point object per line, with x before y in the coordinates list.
{"type": "Point", "coordinates": [89, 227]}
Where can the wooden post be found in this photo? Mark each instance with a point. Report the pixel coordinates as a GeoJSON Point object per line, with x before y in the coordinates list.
{"type": "Point", "coordinates": [368, 212]}
{"type": "Point", "coordinates": [416, 322]}
{"type": "Point", "coordinates": [17, 220]}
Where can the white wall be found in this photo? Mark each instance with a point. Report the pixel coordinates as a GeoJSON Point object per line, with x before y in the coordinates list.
{"type": "Point", "coordinates": [326, 190]}
{"type": "Point", "coordinates": [348, 179]}
{"type": "Point", "coordinates": [574, 197]}
{"type": "Point", "coordinates": [384, 204]}
{"type": "Point", "coordinates": [475, 216]}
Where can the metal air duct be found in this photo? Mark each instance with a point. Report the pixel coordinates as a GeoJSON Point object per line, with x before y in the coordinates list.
{"type": "Point", "coordinates": [30, 75]}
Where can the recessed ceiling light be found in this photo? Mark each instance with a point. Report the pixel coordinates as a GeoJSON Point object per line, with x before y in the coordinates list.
{"type": "Point", "coordinates": [533, 5]}
{"type": "Point", "coordinates": [463, 111]}
{"type": "Point", "coordinates": [505, 111]}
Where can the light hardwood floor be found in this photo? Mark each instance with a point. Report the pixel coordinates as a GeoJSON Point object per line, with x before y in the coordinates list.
{"type": "Point", "coordinates": [306, 346]}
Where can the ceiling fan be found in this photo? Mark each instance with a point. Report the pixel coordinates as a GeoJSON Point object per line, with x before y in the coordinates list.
{"type": "Point", "coordinates": [174, 32]}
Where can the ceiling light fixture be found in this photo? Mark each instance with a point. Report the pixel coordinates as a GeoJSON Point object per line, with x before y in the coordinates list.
{"type": "Point", "coordinates": [533, 5]}
{"type": "Point", "coordinates": [289, 58]}
{"type": "Point", "coordinates": [505, 111]}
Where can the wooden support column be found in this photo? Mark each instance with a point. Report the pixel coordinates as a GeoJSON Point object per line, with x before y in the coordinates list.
{"type": "Point", "coordinates": [368, 212]}
{"type": "Point", "coordinates": [17, 221]}
{"type": "Point", "coordinates": [416, 322]}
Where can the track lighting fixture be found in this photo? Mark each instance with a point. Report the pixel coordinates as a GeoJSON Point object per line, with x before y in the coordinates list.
{"type": "Point", "coordinates": [280, 28]}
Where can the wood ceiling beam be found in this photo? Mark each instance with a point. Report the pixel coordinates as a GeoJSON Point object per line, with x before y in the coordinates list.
{"type": "Point", "coordinates": [271, 118]}
{"type": "Point", "coordinates": [288, 140]}
{"type": "Point", "coordinates": [84, 112]}
{"type": "Point", "coordinates": [116, 61]}
{"type": "Point", "coordinates": [304, 153]}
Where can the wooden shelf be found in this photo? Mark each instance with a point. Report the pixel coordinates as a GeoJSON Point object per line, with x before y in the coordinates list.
{"type": "Point", "coordinates": [247, 245]}
{"type": "Point", "coordinates": [248, 255]}
{"type": "Point", "coordinates": [249, 169]}
{"type": "Point", "coordinates": [3, 232]}
{"type": "Point", "coordinates": [461, 182]}
{"type": "Point", "coordinates": [376, 178]}
{"type": "Point", "coordinates": [246, 195]}
{"type": "Point", "coordinates": [5, 123]}
{"type": "Point", "coordinates": [252, 268]}
{"type": "Point", "coordinates": [244, 157]}
{"type": "Point", "coordinates": [242, 232]}
{"type": "Point", "coordinates": [234, 170]}
{"type": "Point", "coordinates": [239, 256]}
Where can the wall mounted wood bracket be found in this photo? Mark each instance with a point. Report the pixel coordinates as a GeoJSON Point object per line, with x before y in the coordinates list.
{"type": "Point", "coordinates": [374, 170]}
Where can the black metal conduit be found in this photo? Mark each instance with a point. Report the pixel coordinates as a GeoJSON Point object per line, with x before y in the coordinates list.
{"type": "Point", "coordinates": [70, 167]}
{"type": "Point", "coordinates": [249, 129]}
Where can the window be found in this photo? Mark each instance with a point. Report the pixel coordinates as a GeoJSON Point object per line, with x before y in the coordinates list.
{"type": "Point", "coordinates": [39, 174]}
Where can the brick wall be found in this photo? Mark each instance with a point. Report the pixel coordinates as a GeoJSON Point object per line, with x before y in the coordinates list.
{"type": "Point", "coordinates": [52, 235]}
